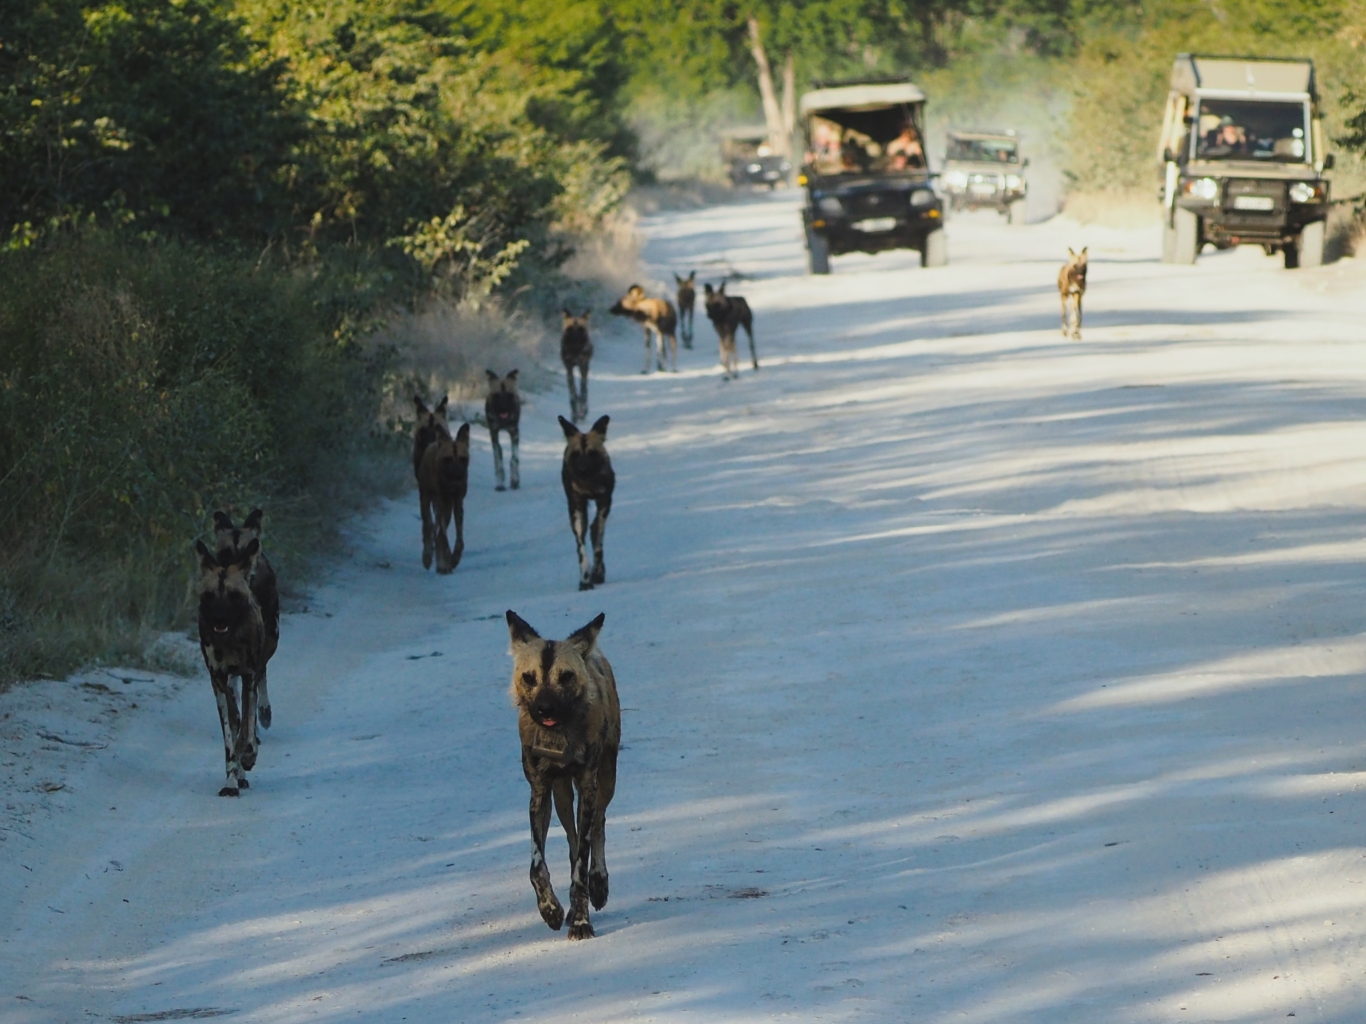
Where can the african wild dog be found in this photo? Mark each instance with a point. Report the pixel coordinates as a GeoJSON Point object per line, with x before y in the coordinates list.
{"type": "Point", "coordinates": [587, 476]}
{"type": "Point", "coordinates": [231, 638]}
{"type": "Point", "coordinates": [687, 299]}
{"type": "Point", "coordinates": [569, 720]}
{"type": "Point", "coordinates": [442, 483]}
{"type": "Point", "coordinates": [503, 411]}
{"type": "Point", "coordinates": [658, 318]}
{"type": "Point", "coordinates": [430, 423]}
{"type": "Point", "coordinates": [576, 349]}
{"type": "Point", "coordinates": [727, 313]}
{"type": "Point", "coordinates": [230, 541]}
{"type": "Point", "coordinates": [1071, 288]}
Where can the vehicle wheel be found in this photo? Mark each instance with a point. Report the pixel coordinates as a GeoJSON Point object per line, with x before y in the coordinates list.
{"type": "Point", "coordinates": [1168, 243]}
{"type": "Point", "coordinates": [818, 253]}
{"type": "Point", "coordinates": [1017, 212]}
{"type": "Point", "coordinates": [1186, 244]}
{"type": "Point", "coordinates": [1309, 246]}
{"type": "Point", "coordinates": [934, 251]}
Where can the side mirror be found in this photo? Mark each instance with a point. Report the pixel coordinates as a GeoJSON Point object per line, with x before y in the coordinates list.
{"type": "Point", "coordinates": [1024, 162]}
{"type": "Point", "coordinates": [1168, 157]}
{"type": "Point", "coordinates": [1328, 162]}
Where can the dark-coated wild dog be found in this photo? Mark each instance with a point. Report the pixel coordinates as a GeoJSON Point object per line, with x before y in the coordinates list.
{"type": "Point", "coordinates": [442, 483]}
{"type": "Point", "coordinates": [231, 638]}
{"type": "Point", "coordinates": [230, 541]}
{"type": "Point", "coordinates": [569, 720]}
{"type": "Point", "coordinates": [658, 318]}
{"type": "Point", "coordinates": [1071, 288]}
{"type": "Point", "coordinates": [430, 424]}
{"type": "Point", "coordinates": [576, 350]}
{"type": "Point", "coordinates": [587, 476]}
{"type": "Point", "coordinates": [727, 313]}
{"type": "Point", "coordinates": [503, 411]}
{"type": "Point", "coordinates": [687, 299]}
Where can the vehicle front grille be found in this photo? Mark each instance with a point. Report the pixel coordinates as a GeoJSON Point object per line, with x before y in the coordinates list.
{"type": "Point", "coordinates": [874, 204]}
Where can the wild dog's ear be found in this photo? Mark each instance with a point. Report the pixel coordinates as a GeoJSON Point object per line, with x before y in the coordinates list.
{"type": "Point", "coordinates": [584, 317]}
{"type": "Point", "coordinates": [707, 288]}
{"type": "Point", "coordinates": [520, 630]}
{"type": "Point", "coordinates": [463, 434]}
{"type": "Point", "coordinates": [722, 289]}
{"type": "Point", "coordinates": [600, 427]}
{"type": "Point", "coordinates": [512, 375]}
{"type": "Point", "coordinates": [208, 561]}
{"type": "Point", "coordinates": [247, 556]}
{"type": "Point", "coordinates": [582, 640]}
{"type": "Point", "coordinates": [1084, 249]}
{"type": "Point", "coordinates": [440, 409]}
{"type": "Point", "coordinates": [491, 376]}
{"type": "Point", "coordinates": [253, 520]}
{"type": "Point", "coordinates": [692, 276]}
{"type": "Point", "coordinates": [677, 279]}
{"type": "Point", "coordinates": [1071, 253]}
{"type": "Point", "coordinates": [567, 315]}
{"type": "Point", "coordinates": [221, 521]}
{"type": "Point", "coordinates": [421, 406]}
{"type": "Point", "coordinates": [570, 431]}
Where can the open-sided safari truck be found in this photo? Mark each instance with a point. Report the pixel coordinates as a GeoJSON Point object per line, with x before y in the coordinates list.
{"type": "Point", "coordinates": [866, 176]}
{"type": "Point", "coordinates": [1242, 156]}
{"type": "Point", "coordinates": [751, 161]}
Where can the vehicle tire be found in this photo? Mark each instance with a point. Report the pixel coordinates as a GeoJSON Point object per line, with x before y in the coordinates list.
{"type": "Point", "coordinates": [1168, 243]}
{"type": "Point", "coordinates": [1016, 212]}
{"type": "Point", "coordinates": [818, 253]}
{"type": "Point", "coordinates": [934, 251]}
{"type": "Point", "coordinates": [1186, 244]}
{"type": "Point", "coordinates": [1310, 244]}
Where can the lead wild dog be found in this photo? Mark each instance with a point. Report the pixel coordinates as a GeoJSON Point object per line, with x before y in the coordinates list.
{"type": "Point", "coordinates": [503, 411]}
{"type": "Point", "coordinates": [728, 313]}
{"type": "Point", "coordinates": [229, 543]}
{"type": "Point", "coordinates": [658, 318]}
{"type": "Point", "coordinates": [431, 423]}
{"type": "Point", "coordinates": [1071, 288]}
{"type": "Point", "coordinates": [442, 483]}
{"type": "Point", "coordinates": [569, 722]}
{"type": "Point", "coordinates": [576, 350]}
{"type": "Point", "coordinates": [231, 638]}
{"type": "Point", "coordinates": [587, 476]}
{"type": "Point", "coordinates": [687, 300]}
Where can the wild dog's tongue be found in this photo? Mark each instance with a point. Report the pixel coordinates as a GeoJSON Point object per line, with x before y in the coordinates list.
{"type": "Point", "coordinates": [549, 723]}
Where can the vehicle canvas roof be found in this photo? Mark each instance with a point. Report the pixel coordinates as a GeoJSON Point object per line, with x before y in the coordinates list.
{"type": "Point", "coordinates": [1251, 77]}
{"type": "Point", "coordinates": [984, 133]}
{"type": "Point", "coordinates": [867, 96]}
{"type": "Point", "coordinates": [752, 133]}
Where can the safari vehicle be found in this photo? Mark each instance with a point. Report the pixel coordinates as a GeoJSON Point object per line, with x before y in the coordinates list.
{"type": "Point", "coordinates": [746, 152]}
{"type": "Point", "coordinates": [985, 169]}
{"type": "Point", "coordinates": [867, 180]}
{"type": "Point", "coordinates": [1242, 157]}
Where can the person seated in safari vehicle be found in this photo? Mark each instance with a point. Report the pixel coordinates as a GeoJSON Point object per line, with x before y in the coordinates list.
{"type": "Point", "coordinates": [1227, 139]}
{"type": "Point", "coordinates": [905, 150]}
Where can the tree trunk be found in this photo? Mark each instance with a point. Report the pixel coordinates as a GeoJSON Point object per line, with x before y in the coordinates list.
{"type": "Point", "coordinates": [772, 117]}
{"type": "Point", "coordinates": [789, 101]}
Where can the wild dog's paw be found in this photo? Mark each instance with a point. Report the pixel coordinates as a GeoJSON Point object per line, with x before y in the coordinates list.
{"type": "Point", "coordinates": [228, 791]}
{"type": "Point", "coordinates": [516, 484]}
{"type": "Point", "coordinates": [426, 558]}
{"type": "Point", "coordinates": [599, 574]}
{"type": "Point", "coordinates": [583, 930]}
{"type": "Point", "coordinates": [248, 760]}
{"type": "Point", "coordinates": [552, 914]}
{"type": "Point", "coordinates": [244, 784]}
{"type": "Point", "coordinates": [597, 890]}
{"type": "Point", "coordinates": [500, 487]}
{"type": "Point", "coordinates": [585, 585]}
{"type": "Point", "coordinates": [263, 716]}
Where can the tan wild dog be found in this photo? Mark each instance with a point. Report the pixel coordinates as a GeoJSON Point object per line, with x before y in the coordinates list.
{"type": "Point", "coordinates": [442, 483]}
{"type": "Point", "coordinates": [1071, 288]}
{"type": "Point", "coordinates": [658, 318]}
{"type": "Point", "coordinates": [569, 722]}
{"type": "Point", "coordinates": [231, 638]}
{"type": "Point", "coordinates": [587, 476]}
{"type": "Point", "coordinates": [230, 542]}
{"type": "Point", "coordinates": [503, 411]}
{"type": "Point", "coordinates": [576, 350]}
{"type": "Point", "coordinates": [687, 300]}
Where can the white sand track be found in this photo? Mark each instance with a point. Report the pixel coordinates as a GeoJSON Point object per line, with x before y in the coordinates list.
{"type": "Point", "coordinates": [970, 674]}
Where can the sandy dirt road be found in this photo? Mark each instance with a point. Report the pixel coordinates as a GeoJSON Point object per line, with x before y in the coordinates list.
{"type": "Point", "coordinates": [969, 673]}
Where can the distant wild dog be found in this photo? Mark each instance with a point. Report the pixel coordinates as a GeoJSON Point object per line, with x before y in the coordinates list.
{"type": "Point", "coordinates": [1071, 288]}
{"type": "Point", "coordinates": [576, 350]}
{"type": "Point", "coordinates": [430, 424]}
{"type": "Point", "coordinates": [658, 318]}
{"type": "Point", "coordinates": [687, 299]}
{"type": "Point", "coordinates": [503, 411]}
{"type": "Point", "coordinates": [587, 476]}
{"type": "Point", "coordinates": [232, 638]}
{"type": "Point", "coordinates": [230, 541]}
{"type": "Point", "coordinates": [569, 721]}
{"type": "Point", "coordinates": [727, 313]}
{"type": "Point", "coordinates": [442, 482]}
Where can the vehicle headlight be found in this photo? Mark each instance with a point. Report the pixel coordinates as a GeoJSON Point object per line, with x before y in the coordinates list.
{"type": "Point", "coordinates": [754, 168]}
{"type": "Point", "coordinates": [1306, 192]}
{"type": "Point", "coordinates": [784, 166]}
{"type": "Point", "coordinates": [1206, 189]}
{"type": "Point", "coordinates": [922, 197]}
{"type": "Point", "coordinates": [1012, 181]}
{"type": "Point", "coordinates": [830, 205]}
{"type": "Point", "coordinates": [956, 179]}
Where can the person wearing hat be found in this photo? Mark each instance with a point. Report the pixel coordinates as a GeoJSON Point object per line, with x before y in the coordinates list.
{"type": "Point", "coordinates": [1228, 139]}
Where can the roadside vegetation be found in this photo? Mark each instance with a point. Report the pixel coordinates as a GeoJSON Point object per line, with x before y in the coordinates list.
{"type": "Point", "coordinates": [236, 234]}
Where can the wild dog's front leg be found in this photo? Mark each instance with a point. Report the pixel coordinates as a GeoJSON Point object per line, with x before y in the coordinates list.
{"type": "Point", "coordinates": [753, 352]}
{"type": "Point", "coordinates": [227, 718]}
{"type": "Point", "coordinates": [546, 901]}
{"type": "Point", "coordinates": [599, 528]}
{"type": "Point", "coordinates": [649, 346]}
{"type": "Point", "coordinates": [673, 350]}
{"type": "Point", "coordinates": [597, 871]}
{"type": "Point", "coordinates": [578, 522]}
{"type": "Point", "coordinates": [443, 544]}
{"type": "Point", "coordinates": [1076, 332]}
{"type": "Point", "coordinates": [262, 699]}
{"type": "Point", "coordinates": [427, 529]}
{"type": "Point", "coordinates": [497, 458]}
{"type": "Point", "coordinates": [514, 434]}
{"type": "Point", "coordinates": [458, 514]}
{"type": "Point", "coordinates": [579, 925]}
{"type": "Point", "coordinates": [1064, 314]}
{"type": "Point", "coordinates": [246, 727]}
{"type": "Point", "coordinates": [574, 413]}
{"type": "Point", "coordinates": [660, 351]}
{"type": "Point", "coordinates": [583, 392]}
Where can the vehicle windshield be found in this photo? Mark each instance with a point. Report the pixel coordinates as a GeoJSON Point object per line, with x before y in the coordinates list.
{"type": "Point", "coordinates": [993, 151]}
{"type": "Point", "coordinates": [1248, 130]}
{"type": "Point", "coordinates": [885, 140]}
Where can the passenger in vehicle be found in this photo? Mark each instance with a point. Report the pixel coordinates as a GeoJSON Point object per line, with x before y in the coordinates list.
{"type": "Point", "coordinates": [1228, 139]}
{"type": "Point", "coordinates": [905, 150]}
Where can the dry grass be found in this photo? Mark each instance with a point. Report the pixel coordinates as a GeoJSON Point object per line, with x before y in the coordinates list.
{"type": "Point", "coordinates": [1113, 209]}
